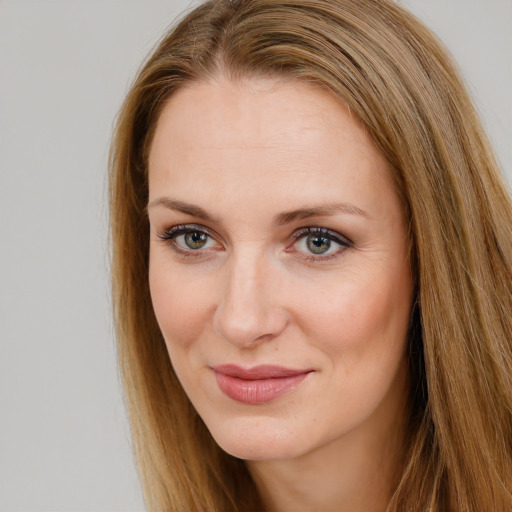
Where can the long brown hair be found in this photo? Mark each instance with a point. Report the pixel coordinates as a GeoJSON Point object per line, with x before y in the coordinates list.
{"type": "Point", "coordinates": [400, 82]}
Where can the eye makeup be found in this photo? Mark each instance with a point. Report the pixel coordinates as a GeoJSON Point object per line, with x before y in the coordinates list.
{"type": "Point", "coordinates": [313, 243]}
{"type": "Point", "coordinates": [318, 244]}
{"type": "Point", "coordinates": [189, 240]}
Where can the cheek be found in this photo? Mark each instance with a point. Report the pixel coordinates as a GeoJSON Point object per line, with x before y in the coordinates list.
{"type": "Point", "coordinates": [362, 328]}
{"type": "Point", "coordinates": [364, 317]}
{"type": "Point", "coordinates": [181, 304]}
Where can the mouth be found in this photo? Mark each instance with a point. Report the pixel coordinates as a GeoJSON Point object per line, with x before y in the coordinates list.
{"type": "Point", "coordinates": [259, 384]}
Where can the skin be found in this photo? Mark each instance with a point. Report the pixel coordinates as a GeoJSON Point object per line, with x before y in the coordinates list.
{"type": "Point", "coordinates": [245, 153]}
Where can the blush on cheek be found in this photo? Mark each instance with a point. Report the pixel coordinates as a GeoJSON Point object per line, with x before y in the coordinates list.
{"type": "Point", "coordinates": [179, 309]}
{"type": "Point", "coordinates": [361, 322]}
{"type": "Point", "coordinates": [347, 314]}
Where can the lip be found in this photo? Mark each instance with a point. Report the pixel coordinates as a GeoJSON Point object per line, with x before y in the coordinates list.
{"type": "Point", "coordinates": [259, 384]}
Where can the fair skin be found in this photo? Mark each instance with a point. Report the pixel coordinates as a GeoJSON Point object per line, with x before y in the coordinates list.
{"type": "Point", "coordinates": [325, 291]}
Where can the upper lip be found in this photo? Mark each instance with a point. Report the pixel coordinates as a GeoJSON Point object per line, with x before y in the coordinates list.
{"type": "Point", "coordinates": [264, 371]}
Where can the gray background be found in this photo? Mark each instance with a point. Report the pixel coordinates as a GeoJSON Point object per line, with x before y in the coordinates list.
{"type": "Point", "coordinates": [64, 68]}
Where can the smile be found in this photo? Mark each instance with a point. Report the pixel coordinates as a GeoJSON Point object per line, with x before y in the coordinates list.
{"type": "Point", "coordinates": [257, 385]}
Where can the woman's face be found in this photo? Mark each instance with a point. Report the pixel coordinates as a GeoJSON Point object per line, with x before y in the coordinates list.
{"type": "Point", "coordinates": [279, 268]}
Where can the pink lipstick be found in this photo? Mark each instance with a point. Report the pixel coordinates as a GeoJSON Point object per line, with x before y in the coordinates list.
{"type": "Point", "coordinates": [259, 384]}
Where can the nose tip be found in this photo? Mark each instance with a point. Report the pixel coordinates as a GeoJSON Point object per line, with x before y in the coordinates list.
{"type": "Point", "coordinates": [250, 312]}
{"type": "Point", "coordinates": [247, 328]}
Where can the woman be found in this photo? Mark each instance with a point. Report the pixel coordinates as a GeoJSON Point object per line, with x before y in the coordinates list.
{"type": "Point", "coordinates": [311, 266]}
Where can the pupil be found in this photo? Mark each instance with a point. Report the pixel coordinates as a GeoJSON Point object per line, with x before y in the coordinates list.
{"type": "Point", "coordinates": [318, 244]}
{"type": "Point", "coordinates": [195, 240]}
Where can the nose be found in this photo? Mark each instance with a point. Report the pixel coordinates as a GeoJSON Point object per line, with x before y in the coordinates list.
{"type": "Point", "coordinates": [249, 310]}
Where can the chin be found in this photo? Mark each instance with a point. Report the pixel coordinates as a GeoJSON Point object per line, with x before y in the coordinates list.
{"type": "Point", "coordinates": [256, 439]}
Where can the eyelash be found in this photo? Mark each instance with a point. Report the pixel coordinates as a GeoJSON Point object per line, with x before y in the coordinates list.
{"type": "Point", "coordinates": [333, 236]}
{"type": "Point", "coordinates": [169, 236]}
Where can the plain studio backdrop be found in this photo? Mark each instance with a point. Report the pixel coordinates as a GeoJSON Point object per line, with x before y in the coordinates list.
{"type": "Point", "coordinates": [65, 66]}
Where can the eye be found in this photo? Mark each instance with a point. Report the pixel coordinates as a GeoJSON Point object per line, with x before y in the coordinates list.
{"type": "Point", "coordinates": [188, 239]}
{"type": "Point", "coordinates": [193, 240]}
{"type": "Point", "coordinates": [320, 243]}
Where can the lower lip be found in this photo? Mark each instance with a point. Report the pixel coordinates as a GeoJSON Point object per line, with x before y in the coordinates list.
{"type": "Point", "coordinates": [257, 391]}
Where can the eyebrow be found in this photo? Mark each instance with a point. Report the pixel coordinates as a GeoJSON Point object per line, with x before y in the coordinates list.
{"type": "Point", "coordinates": [322, 210]}
{"type": "Point", "coordinates": [181, 206]}
{"type": "Point", "coordinates": [280, 219]}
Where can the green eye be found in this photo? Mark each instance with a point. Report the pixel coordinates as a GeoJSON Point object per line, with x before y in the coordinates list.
{"type": "Point", "coordinates": [318, 244]}
{"type": "Point", "coordinates": [189, 239]}
{"type": "Point", "coordinates": [195, 239]}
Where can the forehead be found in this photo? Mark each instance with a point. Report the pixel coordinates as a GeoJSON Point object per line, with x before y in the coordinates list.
{"type": "Point", "coordinates": [263, 137]}
{"type": "Point", "coordinates": [253, 113]}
